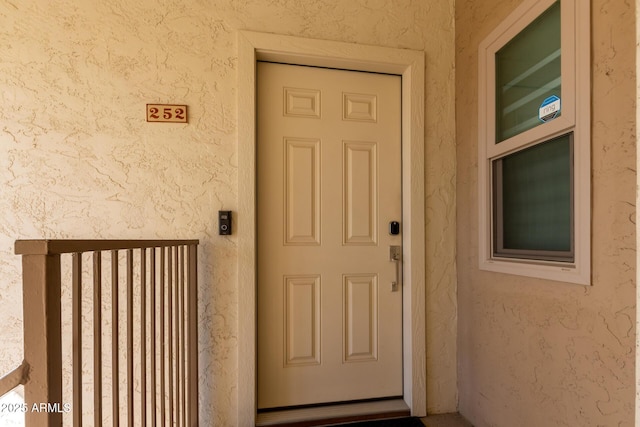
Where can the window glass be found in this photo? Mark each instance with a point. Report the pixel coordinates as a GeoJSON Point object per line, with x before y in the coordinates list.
{"type": "Point", "coordinates": [533, 201]}
{"type": "Point", "coordinates": [527, 74]}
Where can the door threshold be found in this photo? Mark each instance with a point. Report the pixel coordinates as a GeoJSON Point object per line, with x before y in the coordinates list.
{"type": "Point", "coordinates": [333, 414]}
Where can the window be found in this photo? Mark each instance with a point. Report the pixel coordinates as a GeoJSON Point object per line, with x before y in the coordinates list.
{"type": "Point", "coordinates": [534, 143]}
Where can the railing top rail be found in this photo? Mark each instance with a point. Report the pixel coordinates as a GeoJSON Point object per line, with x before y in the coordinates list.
{"type": "Point", "coordinates": [62, 246]}
{"type": "Point", "coordinates": [14, 378]}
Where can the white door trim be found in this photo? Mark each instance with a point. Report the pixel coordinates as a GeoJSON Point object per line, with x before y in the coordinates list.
{"type": "Point", "coordinates": [410, 64]}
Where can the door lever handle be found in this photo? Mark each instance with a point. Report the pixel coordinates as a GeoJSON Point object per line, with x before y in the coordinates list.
{"type": "Point", "coordinates": [395, 255]}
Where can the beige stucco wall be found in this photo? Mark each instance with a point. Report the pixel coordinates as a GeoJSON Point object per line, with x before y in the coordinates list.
{"type": "Point", "coordinates": [541, 353]}
{"type": "Point", "coordinates": [78, 160]}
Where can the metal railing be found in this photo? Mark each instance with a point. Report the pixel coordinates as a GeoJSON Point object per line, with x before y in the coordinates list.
{"type": "Point", "coordinates": [158, 280]}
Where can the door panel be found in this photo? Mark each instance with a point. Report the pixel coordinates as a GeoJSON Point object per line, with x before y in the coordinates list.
{"type": "Point", "coordinates": [360, 317]}
{"type": "Point", "coordinates": [328, 178]}
{"type": "Point", "coordinates": [302, 193]}
{"type": "Point", "coordinates": [302, 320]}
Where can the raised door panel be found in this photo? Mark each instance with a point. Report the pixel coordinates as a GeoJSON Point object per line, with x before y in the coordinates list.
{"type": "Point", "coordinates": [360, 189]}
{"type": "Point", "coordinates": [360, 317]}
{"type": "Point", "coordinates": [302, 320]}
{"type": "Point", "coordinates": [302, 191]}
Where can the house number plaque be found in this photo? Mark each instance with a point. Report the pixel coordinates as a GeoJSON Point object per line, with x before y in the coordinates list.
{"type": "Point", "coordinates": [167, 113]}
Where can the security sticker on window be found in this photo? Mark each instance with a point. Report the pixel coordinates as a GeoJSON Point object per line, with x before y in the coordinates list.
{"type": "Point", "coordinates": [549, 109]}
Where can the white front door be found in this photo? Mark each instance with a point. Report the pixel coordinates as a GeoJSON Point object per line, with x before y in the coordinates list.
{"type": "Point", "coordinates": [329, 185]}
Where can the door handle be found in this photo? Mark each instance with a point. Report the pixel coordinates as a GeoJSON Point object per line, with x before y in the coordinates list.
{"type": "Point", "coordinates": [395, 255]}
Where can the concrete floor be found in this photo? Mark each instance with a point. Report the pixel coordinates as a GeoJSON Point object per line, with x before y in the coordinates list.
{"type": "Point", "coordinates": [446, 420]}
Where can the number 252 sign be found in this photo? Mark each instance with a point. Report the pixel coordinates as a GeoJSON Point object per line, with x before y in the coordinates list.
{"type": "Point", "coordinates": [166, 113]}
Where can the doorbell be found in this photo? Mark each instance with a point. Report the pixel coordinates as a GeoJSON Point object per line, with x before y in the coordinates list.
{"type": "Point", "coordinates": [224, 223]}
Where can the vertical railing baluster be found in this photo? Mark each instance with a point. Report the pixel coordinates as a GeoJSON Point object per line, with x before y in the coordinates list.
{"type": "Point", "coordinates": [183, 326]}
{"type": "Point", "coordinates": [152, 353]}
{"type": "Point", "coordinates": [115, 303]}
{"type": "Point", "coordinates": [162, 332]}
{"type": "Point", "coordinates": [177, 334]}
{"type": "Point", "coordinates": [97, 338]}
{"type": "Point", "coordinates": [170, 329]}
{"type": "Point", "coordinates": [129, 337]}
{"type": "Point", "coordinates": [143, 337]}
{"type": "Point", "coordinates": [76, 315]}
{"type": "Point", "coordinates": [192, 280]}
{"type": "Point", "coordinates": [183, 304]}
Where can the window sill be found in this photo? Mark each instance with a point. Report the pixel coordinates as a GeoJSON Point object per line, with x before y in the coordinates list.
{"type": "Point", "coordinates": [557, 271]}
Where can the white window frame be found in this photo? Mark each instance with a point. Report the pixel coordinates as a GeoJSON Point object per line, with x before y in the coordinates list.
{"type": "Point", "coordinates": [575, 117]}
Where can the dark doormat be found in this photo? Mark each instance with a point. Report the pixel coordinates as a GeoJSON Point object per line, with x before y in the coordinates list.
{"type": "Point", "coordinates": [392, 422]}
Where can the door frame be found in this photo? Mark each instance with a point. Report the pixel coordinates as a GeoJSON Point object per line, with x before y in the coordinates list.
{"type": "Point", "coordinates": [410, 64]}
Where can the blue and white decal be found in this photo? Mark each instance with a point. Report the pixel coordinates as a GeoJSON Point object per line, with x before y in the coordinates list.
{"type": "Point", "coordinates": [549, 109]}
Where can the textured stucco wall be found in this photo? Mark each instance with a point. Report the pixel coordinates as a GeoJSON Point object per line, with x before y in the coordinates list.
{"type": "Point", "coordinates": [541, 353]}
{"type": "Point", "coordinates": [78, 160]}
